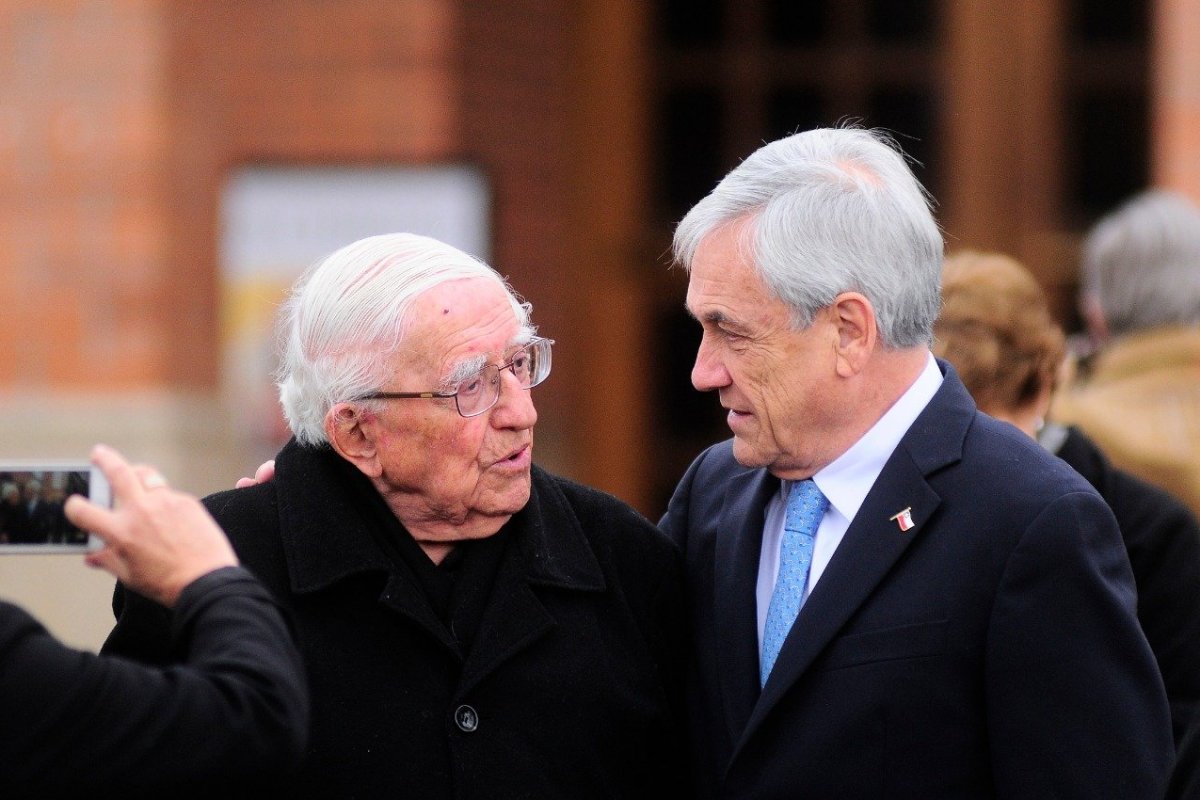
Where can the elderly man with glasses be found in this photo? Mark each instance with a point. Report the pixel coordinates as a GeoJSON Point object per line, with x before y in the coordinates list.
{"type": "Point", "coordinates": [472, 625]}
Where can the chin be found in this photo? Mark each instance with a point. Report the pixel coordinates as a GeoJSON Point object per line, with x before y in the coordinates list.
{"type": "Point", "coordinates": [748, 456]}
{"type": "Point", "coordinates": [505, 500]}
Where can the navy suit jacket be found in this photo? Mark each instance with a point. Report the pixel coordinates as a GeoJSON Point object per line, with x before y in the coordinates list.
{"type": "Point", "coordinates": [992, 650]}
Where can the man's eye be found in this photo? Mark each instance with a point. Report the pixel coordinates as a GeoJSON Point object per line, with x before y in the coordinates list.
{"type": "Point", "coordinates": [471, 386]}
{"type": "Point", "coordinates": [520, 364]}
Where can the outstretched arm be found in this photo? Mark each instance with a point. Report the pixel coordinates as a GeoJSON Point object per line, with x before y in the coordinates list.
{"type": "Point", "coordinates": [236, 710]}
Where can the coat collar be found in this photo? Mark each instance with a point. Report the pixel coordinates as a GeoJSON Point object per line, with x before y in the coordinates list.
{"type": "Point", "coordinates": [1173, 349]}
{"type": "Point", "coordinates": [872, 545]}
{"type": "Point", "coordinates": [326, 537]}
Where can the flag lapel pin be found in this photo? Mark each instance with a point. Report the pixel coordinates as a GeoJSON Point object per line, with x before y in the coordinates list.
{"type": "Point", "coordinates": [904, 519]}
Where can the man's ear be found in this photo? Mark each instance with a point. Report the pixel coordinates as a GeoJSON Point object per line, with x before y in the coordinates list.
{"type": "Point", "coordinates": [351, 431]}
{"type": "Point", "coordinates": [857, 332]}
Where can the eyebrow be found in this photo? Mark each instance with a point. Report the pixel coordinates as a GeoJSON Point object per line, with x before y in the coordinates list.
{"type": "Point", "coordinates": [464, 369]}
{"type": "Point", "coordinates": [467, 367]}
{"type": "Point", "coordinates": [718, 318]}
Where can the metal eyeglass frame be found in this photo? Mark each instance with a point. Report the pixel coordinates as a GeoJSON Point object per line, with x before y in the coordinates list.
{"type": "Point", "coordinates": [538, 350]}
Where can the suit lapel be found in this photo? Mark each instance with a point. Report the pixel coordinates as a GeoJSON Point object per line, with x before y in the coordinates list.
{"type": "Point", "coordinates": [872, 545]}
{"type": "Point", "coordinates": [874, 542]}
{"type": "Point", "coordinates": [736, 607]}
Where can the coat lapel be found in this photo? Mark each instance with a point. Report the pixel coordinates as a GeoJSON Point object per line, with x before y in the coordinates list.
{"type": "Point", "coordinates": [736, 608]}
{"type": "Point", "coordinates": [327, 537]}
{"type": "Point", "coordinates": [514, 619]}
{"type": "Point", "coordinates": [548, 548]}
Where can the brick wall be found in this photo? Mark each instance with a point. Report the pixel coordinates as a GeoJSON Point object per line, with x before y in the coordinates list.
{"type": "Point", "coordinates": [82, 236]}
{"type": "Point", "coordinates": [119, 122]}
{"type": "Point", "coordinates": [1177, 96]}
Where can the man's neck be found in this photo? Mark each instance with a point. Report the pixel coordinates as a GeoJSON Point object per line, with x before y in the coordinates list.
{"type": "Point", "coordinates": [890, 374]}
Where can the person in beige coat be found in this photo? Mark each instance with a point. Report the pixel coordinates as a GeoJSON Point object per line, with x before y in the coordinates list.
{"type": "Point", "coordinates": [1140, 397]}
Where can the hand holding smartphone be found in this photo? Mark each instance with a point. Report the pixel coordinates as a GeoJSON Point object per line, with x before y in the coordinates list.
{"type": "Point", "coordinates": [156, 540]}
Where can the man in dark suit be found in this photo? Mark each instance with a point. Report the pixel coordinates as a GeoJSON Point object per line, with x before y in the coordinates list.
{"type": "Point", "coordinates": [954, 609]}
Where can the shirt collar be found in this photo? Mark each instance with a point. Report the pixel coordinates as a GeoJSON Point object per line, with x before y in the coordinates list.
{"type": "Point", "coordinates": [846, 481]}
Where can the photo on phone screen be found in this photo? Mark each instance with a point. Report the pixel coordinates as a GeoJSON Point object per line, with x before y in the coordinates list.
{"type": "Point", "coordinates": [31, 506]}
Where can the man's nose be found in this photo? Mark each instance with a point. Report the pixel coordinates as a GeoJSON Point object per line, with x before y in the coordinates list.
{"type": "Point", "coordinates": [514, 408]}
{"type": "Point", "coordinates": [708, 372]}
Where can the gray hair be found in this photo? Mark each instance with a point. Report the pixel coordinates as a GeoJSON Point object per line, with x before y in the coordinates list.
{"type": "Point", "coordinates": [828, 211]}
{"type": "Point", "coordinates": [1142, 263]}
{"type": "Point", "coordinates": [349, 314]}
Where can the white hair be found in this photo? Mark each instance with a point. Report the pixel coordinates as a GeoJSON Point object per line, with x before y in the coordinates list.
{"type": "Point", "coordinates": [828, 211]}
{"type": "Point", "coordinates": [348, 315]}
{"type": "Point", "coordinates": [1141, 263]}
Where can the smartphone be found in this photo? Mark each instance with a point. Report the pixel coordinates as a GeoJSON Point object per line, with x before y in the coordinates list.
{"type": "Point", "coordinates": [32, 494]}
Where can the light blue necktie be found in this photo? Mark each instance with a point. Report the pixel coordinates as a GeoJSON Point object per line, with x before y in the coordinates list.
{"type": "Point", "coordinates": [805, 508]}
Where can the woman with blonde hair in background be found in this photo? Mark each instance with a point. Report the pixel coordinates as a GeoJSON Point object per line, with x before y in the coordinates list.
{"type": "Point", "coordinates": [996, 329]}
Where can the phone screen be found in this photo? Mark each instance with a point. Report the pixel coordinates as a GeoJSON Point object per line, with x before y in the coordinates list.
{"type": "Point", "coordinates": [31, 506]}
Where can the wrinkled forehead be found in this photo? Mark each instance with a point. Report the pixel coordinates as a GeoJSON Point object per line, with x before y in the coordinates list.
{"type": "Point", "coordinates": [465, 321]}
{"type": "Point", "coordinates": [722, 270]}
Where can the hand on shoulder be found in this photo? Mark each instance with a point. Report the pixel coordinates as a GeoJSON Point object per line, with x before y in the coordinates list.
{"type": "Point", "coordinates": [264, 473]}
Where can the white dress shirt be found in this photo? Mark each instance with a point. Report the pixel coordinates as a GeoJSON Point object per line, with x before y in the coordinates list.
{"type": "Point", "coordinates": [845, 483]}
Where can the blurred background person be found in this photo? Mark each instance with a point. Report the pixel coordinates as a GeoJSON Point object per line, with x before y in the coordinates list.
{"type": "Point", "coordinates": [14, 519]}
{"type": "Point", "coordinates": [38, 513]}
{"type": "Point", "coordinates": [1139, 397]}
{"type": "Point", "coordinates": [996, 329]}
{"type": "Point", "coordinates": [232, 715]}
{"type": "Point", "coordinates": [56, 529]}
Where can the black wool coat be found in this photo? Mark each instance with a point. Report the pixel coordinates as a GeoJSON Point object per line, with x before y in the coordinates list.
{"type": "Point", "coordinates": [570, 688]}
{"type": "Point", "coordinates": [1162, 537]}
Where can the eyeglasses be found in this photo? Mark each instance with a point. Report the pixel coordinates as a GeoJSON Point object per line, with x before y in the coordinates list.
{"type": "Point", "coordinates": [481, 391]}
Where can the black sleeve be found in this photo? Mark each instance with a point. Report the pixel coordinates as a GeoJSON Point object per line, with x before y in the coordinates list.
{"type": "Point", "coordinates": [142, 631]}
{"type": "Point", "coordinates": [236, 709]}
{"type": "Point", "coordinates": [1185, 780]}
{"type": "Point", "coordinates": [1163, 539]}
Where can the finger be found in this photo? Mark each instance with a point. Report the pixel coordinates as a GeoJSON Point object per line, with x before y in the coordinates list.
{"type": "Point", "coordinates": [106, 560]}
{"type": "Point", "coordinates": [149, 477]}
{"type": "Point", "coordinates": [86, 515]}
{"type": "Point", "coordinates": [122, 478]}
{"type": "Point", "coordinates": [264, 473]}
{"type": "Point", "coordinates": [95, 558]}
